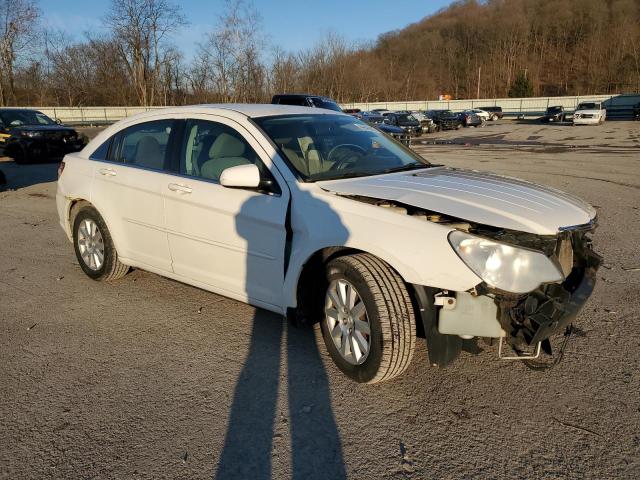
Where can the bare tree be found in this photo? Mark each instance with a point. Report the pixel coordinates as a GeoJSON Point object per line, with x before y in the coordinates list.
{"type": "Point", "coordinates": [139, 28]}
{"type": "Point", "coordinates": [18, 20]}
{"type": "Point", "coordinates": [230, 62]}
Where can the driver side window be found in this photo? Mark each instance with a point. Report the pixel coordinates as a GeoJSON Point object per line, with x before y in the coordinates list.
{"type": "Point", "coordinates": [209, 148]}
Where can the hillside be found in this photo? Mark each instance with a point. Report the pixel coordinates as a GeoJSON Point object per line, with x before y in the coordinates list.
{"type": "Point", "coordinates": [564, 47]}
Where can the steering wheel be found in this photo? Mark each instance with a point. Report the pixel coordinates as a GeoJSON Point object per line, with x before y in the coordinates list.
{"type": "Point", "coordinates": [350, 152]}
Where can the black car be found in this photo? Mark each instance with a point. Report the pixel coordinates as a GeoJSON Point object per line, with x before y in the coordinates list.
{"type": "Point", "coordinates": [29, 135]}
{"type": "Point", "coordinates": [444, 119]}
{"type": "Point", "coordinates": [470, 119]}
{"type": "Point", "coordinates": [376, 120]}
{"type": "Point", "coordinates": [495, 113]}
{"type": "Point", "coordinates": [405, 121]}
{"type": "Point", "coordinates": [306, 100]}
{"type": "Point", "coordinates": [553, 114]}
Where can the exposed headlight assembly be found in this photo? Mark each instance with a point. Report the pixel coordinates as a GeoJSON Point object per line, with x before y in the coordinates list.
{"type": "Point", "coordinates": [508, 268]}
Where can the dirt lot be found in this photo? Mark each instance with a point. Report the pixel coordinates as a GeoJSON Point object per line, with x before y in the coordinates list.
{"type": "Point", "coordinates": [149, 378]}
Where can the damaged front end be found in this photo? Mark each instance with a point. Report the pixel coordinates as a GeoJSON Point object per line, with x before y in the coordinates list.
{"type": "Point", "coordinates": [531, 319]}
{"type": "Point", "coordinates": [525, 321]}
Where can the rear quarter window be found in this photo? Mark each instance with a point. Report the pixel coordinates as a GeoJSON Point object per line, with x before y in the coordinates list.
{"type": "Point", "coordinates": [102, 152]}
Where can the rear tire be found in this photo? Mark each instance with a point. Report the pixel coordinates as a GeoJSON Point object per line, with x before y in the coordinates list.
{"type": "Point", "coordinates": [96, 254]}
{"type": "Point", "coordinates": [388, 314]}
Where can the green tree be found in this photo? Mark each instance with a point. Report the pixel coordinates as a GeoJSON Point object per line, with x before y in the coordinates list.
{"type": "Point", "coordinates": [521, 87]}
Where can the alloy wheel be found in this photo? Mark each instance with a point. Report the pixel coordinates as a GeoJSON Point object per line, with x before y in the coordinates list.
{"type": "Point", "coordinates": [347, 322]}
{"type": "Point", "coordinates": [91, 244]}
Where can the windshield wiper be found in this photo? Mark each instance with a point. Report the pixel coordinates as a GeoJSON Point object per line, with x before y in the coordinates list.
{"type": "Point", "coordinates": [410, 166]}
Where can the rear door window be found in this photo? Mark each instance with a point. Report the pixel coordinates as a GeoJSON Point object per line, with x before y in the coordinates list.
{"type": "Point", "coordinates": [102, 152]}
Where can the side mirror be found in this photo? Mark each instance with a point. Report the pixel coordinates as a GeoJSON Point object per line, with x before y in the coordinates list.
{"type": "Point", "coordinates": [58, 121]}
{"type": "Point", "coordinates": [241, 176]}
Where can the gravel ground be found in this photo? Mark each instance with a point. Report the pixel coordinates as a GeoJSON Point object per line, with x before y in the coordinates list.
{"type": "Point", "coordinates": [150, 378]}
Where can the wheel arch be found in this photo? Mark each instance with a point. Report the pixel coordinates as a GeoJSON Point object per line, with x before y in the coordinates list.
{"type": "Point", "coordinates": [313, 270]}
{"type": "Point", "coordinates": [72, 210]}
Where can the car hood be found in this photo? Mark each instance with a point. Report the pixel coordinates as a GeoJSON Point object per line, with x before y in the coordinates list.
{"type": "Point", "coordinates": [385, 127]}
{"type": "Point", "coordinates": [478, 197]}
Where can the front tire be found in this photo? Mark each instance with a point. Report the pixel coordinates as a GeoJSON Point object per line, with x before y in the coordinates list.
{"type": "Point", "coordinates": [368, 325]}
{"type": "Point", "coordinates": [494, 118]}
{"type": "Point", "coordinates": [94, 247]}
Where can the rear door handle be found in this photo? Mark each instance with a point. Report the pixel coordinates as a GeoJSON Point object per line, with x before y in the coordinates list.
{"type": "Point", "coordinates": [177, 187]}
{"type": "Point", "coordinates": [107, 172]}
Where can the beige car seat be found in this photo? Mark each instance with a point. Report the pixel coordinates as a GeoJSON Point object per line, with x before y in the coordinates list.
{"type": "Point", "coordinates": [225, 152]}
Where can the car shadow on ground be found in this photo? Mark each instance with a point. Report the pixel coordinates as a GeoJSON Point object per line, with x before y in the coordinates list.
{"type": "Point", "coordinates": [22, 176]}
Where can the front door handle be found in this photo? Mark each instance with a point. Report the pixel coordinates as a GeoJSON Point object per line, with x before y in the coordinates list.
{"type": "Point", "coordinates": [177, 187]}
{"type": "Point", "coordinates": [107, 172]}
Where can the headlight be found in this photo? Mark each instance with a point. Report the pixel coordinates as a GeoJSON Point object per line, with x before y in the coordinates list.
{"type": "Point", "coordinates": [29, 134]}
{"type": "Point", "coordinates": [508, 268]}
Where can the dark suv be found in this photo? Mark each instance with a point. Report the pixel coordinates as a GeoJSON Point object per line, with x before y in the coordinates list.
{"type": "Point", "coordinates": [444, 119]}
{"type": "Point", "coordinates": [306, 100]}
{"type": "Point", "coordinates": [405, 121]}
{"type": "Point", "coordinates": [495, 113]}
{"type": "Point", "coordinates": [553, 114]}
{"type": "Point", "coordinates": [29, 135]}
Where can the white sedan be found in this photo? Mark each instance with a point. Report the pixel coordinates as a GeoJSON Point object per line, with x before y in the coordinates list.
{"type": "Point", "coordinates": [482, 114]}
{"type": "Point", "coordinates": [589, 113]}
{"type": "Point", "coordinates": [318, 216]}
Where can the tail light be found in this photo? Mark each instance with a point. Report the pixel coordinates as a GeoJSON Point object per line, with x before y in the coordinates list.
{"type": "Point", "coordinates": [60, 169]}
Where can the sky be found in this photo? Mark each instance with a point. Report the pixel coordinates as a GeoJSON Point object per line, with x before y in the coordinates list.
{"type": "Point", "coordinates": [292, 25]}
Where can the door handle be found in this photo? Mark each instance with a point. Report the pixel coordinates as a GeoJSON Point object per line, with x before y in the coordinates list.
{"type": "Point", "coordinates": [107, 172]}
{"type": "Point", "coordinates": [177, 187]}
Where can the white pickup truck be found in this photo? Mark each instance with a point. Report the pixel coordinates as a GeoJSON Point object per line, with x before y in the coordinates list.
{"type": "Point", "coordinates": [589, 113]}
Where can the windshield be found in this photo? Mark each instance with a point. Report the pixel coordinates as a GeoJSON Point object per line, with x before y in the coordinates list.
{"type": "Point", "coordinates": [327, 147]}
{"type": "Point", "coordinates": [589, 106]}
{"type": "Point", "coordinates": [17, 118]}
{"type": "Point", "coordinates": [407, 118]}
{"type": "Point", "coordinates": [554, 109]}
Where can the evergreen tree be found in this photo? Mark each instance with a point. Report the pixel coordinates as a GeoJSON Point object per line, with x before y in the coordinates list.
{"type": "Point", "coordinates": [521, 87]}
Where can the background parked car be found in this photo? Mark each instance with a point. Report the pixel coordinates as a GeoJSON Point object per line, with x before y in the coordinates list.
{"type": "Point", "coordinates": [381, 111]}
{"type": "Point", "coordinates": [554, 114]}
{"type": "Point", "coordinates": [636, 112]}
{"type": "Point", "coordinates": [484, 115]}
{"type": "Point", "coordinates": [494, 112]}
{"type": "Point", "coordinates": [376, 120]}
{"type": "Point", "coordinates": [406, 121]}
{"type": "Point", "coordinates": [306, 100]}
{"type": "Point", "coordinates": [444, 119]}
{"type": "Point", "coordinates": [29, 135]}
{"type": "Point", "coordinates": [589, 113]}
{"type": "Point", "coordinates": [470, 119]}
{"type": "Point", "coordinates": [356, 112]}
{"type": "Point", "coordinates": [427, 124]}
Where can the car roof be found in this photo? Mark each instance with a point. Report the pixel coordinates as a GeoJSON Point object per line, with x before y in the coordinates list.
{"type": "Point", "coordinates": [18, 109]}
{"type": "Point", "coordinates": [251, 110]}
